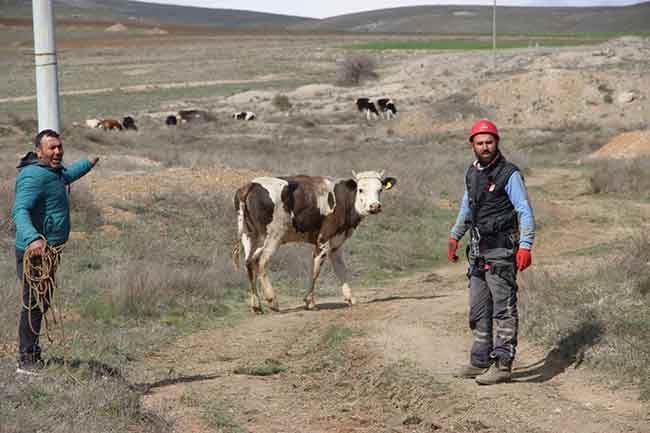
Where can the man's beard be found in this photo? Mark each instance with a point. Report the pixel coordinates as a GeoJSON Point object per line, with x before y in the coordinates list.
{"type": "Point", "coordinates": [486, 159]}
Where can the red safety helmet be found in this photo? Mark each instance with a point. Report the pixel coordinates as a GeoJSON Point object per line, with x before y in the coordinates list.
{"type": "Point", "coordinates": [484, 126]}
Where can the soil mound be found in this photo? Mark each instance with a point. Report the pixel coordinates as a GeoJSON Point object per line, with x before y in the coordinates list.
{"type": "Point", "coordinates": [116, 28]}
{"type": "Point", "coordinates": [634, 144]}
{"type": "Point", "coordinates": [156, 31]}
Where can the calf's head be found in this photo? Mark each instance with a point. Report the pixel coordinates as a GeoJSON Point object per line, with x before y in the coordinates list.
{"type": "Point", "coordinates": [369, 186]}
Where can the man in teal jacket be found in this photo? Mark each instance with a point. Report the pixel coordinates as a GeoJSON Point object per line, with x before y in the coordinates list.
{"type": "Point", "coordinates": [41, 213]}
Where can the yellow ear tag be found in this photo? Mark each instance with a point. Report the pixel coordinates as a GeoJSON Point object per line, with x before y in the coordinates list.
{"type": "Point", "coordinates": [388, 185]}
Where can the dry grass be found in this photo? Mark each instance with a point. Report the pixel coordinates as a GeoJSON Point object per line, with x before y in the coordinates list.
{"type": "Point", "coordinates": [101, 401]}
{"type": "Point", "coordinates": [85, 214]}
{"type": "Point", "coordinates": [7, 228]}
{"type": "Point", "coordinates": [168, 266]}
{"type": "Point", "coordinates": [598, 315]}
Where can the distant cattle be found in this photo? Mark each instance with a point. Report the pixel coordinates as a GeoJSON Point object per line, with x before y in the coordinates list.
{"type": "Point", "coordinates": [171, 120]}
{"type": "Point", "coordinates": [129, 123]}
{"type": "Point", "coordinates": [320, 211]}
{"type": "Point", "coordinates": [193, 115]}
{"type": "Point", "coordinates": [110, 124]}
{"type": "Point", "coordinates": [93, 123]}
{"type": "Point", "coordinates": [366, 106]}
{"type": "Point", "coordinates": [244, 115]}
{"type": "Point", "coordinates": [387, 108]}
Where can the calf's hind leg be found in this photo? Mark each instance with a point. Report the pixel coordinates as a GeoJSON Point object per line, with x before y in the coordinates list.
{"type": "Point", "coordinates": [317, 262]}
{"type": "Point", "coordinates": [251, 268]}
{"type": "Point", "coordinates": [270, 246]}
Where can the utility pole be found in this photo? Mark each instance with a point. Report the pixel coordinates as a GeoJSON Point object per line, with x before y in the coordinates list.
{"type": "Point", "coordinates": [47, 82]}
{"type": "Point", "coordinates": [494, 35]}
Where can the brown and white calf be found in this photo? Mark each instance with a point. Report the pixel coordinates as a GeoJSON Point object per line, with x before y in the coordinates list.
{"type": "Point", "coordinates": [320, 211]}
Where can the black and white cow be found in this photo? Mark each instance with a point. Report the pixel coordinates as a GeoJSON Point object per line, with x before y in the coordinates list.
{"type": "Point", "coordinates": [365, 105]}
{"type": "Point", "coordinates": [244, 115]}
{"type": "Point", "coordinates": [320, 211]}
{"type": "Point", "coordinates": [129, 123]}
{"type": "Point", "coordinates": [387, 108]}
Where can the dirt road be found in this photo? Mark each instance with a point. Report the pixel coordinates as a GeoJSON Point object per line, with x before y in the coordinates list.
{"type": "Point", "coordinates": [392, 374]}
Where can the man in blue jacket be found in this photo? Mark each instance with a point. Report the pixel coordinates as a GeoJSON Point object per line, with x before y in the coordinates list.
{"type": "Point", "coordinates": [496, 210]}
{"type": "Point", "coordinates": [41, 213]}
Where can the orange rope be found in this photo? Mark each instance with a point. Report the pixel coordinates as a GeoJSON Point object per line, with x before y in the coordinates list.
{"type": "Point", "coordinates": [39, 274]}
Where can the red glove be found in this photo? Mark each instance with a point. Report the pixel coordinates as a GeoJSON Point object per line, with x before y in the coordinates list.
{"type": "Point", "coordinates": [524, 259]}
{"type": "Point", "coordinates": [451, 250]}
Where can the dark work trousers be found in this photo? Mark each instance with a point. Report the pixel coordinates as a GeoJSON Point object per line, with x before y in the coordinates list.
{"type": "Point", "coordinates": [28, 348]}
{"type": "Point", "coordinates": [493, 301]}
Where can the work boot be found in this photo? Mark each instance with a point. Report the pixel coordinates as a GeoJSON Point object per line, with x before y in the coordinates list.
{"type": "Point", "coordinates": [469, 371]}
{"type": "Point", "coordinates": [499, 372]}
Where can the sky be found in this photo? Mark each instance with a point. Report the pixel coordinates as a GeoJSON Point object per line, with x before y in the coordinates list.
{"type": "Point", "coordinates": [329, 8]}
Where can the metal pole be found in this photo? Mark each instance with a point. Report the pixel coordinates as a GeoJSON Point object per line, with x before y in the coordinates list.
{"type": "Point", "coordinates": [47, 83]}
{"type": "Point", "coordinates": [494, 35]}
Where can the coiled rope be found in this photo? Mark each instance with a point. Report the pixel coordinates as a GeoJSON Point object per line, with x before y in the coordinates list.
{"type": "Point", "coordinates": [39, 274]}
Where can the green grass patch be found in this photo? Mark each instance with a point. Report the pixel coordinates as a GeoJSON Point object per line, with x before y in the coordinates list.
{"type": "Point", "coordinates": [378, 251]}
{"type": "Point", "coordinates": [463, 44]}
{"type": "Point", "coordinates": [579, 35]}
{"type": "Point", "coordinates": [270, 367]}
{"type": "Point", "coordinates": [335, 336]}
{"type": "Point", "coordinates": [216, 415]}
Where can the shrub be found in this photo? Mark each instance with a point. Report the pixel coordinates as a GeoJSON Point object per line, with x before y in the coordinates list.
{"type": "Point", "coordinates": [281, 102]}
{"type": "Point", "coordinates": [631, 177]}
{"type": "Point", "coordinates": [635, 266]}
{"type": "Point", "coordinates": [355, 69]}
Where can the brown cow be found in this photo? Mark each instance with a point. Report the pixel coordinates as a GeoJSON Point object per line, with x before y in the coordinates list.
{"type": "Point", "coordinates": [320, 211]}
{"type": "Point", "coordinates": [109, 124]}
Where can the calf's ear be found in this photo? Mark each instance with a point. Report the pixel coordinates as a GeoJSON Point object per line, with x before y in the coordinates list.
{"type": "Point", "coordinates": [351, 184]}
{"type": "Point", "coordinates": [388, 183]}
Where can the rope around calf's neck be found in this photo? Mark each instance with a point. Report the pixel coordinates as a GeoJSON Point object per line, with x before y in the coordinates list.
{"type": "Point", "coordinates": [40, 278]}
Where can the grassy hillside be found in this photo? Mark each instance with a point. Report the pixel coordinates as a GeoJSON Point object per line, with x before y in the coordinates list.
{"type": "Point", "coordinates": [478, 19]}
{"type": "Point", "coordinates": [122, 10]}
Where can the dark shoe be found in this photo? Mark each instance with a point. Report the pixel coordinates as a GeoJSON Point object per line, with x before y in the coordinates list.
{"type": "Point", "coordinates": [30, 364]}
{"type": "Point", "coordinates": [499, 372]}
{"type": "Point", "coordinates": [30, 368]}
{"type": "Point", "coordinates": [469, 371]}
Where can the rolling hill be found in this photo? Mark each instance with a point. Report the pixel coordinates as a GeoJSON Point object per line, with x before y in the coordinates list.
{"type": "Point", "coordinates": [478, 19]}
{"type": "Point", "coordinates": [151, 13]}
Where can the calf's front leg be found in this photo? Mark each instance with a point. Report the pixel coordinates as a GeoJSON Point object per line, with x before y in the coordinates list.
{"type": "Point", "coordinates": [341, 271]}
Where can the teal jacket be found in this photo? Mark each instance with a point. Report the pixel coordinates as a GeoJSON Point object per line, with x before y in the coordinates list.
{"type": "Point", "coordinates": [41, 205]}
